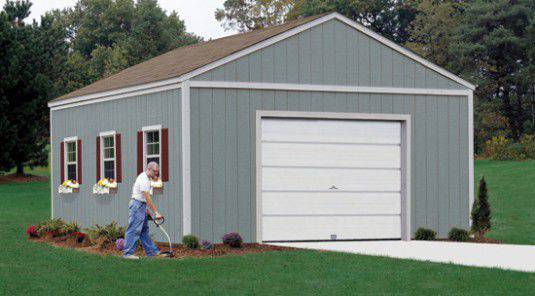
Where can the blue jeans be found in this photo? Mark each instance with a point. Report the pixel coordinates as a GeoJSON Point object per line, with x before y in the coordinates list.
{"type": "Point", "coordinates": [138, 229]}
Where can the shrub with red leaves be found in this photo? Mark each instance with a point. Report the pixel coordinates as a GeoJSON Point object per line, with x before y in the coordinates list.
{"type": "Point", "coordinates": [32, 231]}
{"type": "Point", "coordinates": [80, 236]}
{"type": "Point", "coordinates": [232, 239]}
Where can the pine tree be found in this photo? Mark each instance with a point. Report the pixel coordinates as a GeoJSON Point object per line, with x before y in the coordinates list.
{"type": "Point", "coordinates": [481, 210]}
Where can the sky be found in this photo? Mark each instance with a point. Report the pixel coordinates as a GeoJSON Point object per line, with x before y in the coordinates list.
{"type": "Point", "coordinates": [197, 14]}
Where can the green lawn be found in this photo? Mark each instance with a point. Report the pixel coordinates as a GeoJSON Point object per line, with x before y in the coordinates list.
{"type": "Point", "coordinates": [511, 188]}
{"type": "Point", "coordinates": [32, 268]}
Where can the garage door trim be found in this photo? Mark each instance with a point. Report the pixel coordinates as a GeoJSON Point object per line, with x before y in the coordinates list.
{"type": "Point", "coordinates": [404, 119]}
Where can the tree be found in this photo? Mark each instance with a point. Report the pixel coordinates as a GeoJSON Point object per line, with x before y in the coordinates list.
{"type": "Point", "coordinates": [247, 15]}
{"type": "Point", "coordinates": [390, 18]}
{"type": "Point", "coordinates": [31, 57]}
{"type": "Point", "coordinates": [492, 49]}
{"type": "Point", "coordinates": [481, 210]}
{"type": "Point", "coordinates": [107, 36]}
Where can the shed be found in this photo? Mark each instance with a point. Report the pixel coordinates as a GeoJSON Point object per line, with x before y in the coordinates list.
{"type": "Point", "coordinates": [316, 129]}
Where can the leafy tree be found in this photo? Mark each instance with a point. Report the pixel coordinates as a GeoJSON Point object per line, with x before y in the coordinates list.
{"type": "Point", "coordinates": [481, 210]}
{"type": "Point", "coordinates": [492, 49]}
{"type": "Point", "coordinates": [390, 18]}
{"type": "Point", "coordinates": [246, 15]}
{"type": "Point", "coordinates": [107, 36]}
{"type": "Point", "coordinates": [31, 59]}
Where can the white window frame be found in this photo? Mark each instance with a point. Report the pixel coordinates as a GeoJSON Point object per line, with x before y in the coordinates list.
{"type": "Point", "coordinates": [103, 156]}
{"type": "Point", "coordinates": [66, 141]}
{"type": "Point", "coordinates": [152, 128]}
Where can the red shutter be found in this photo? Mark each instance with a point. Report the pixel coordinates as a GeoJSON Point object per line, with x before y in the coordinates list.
{"type": "Point", "coordinates": [62, 161]}
{"type": "Point", "coordinates": [119, 173]}
{"type": "Point", "coordinates": [98, 159]}
{"type": "Point", "coordinates": [165, 155]}
{"type": "Point", "coordinates": [139, 152]}
{"type": "Point", "coordinates": [79, 159]}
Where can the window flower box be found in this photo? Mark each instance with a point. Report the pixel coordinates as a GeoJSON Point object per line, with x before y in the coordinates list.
{"type": "Point", "coordinates": [156, 187]}
{"type": "Point", "coordinates": [105, 186]}
{"type": "Point", "coordinates": [69, 186]}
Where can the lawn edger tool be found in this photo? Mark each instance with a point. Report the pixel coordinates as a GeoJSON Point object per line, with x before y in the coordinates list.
{"type": "Point", "coordinates": [159, 222]}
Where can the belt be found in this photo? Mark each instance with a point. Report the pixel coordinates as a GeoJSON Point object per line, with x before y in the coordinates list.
{"type": "Point", "coordinates": [143, 201]}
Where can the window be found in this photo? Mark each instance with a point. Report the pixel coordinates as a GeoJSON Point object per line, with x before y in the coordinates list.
{"type": "Point", "coordinates": [71, 155]}
{"type": "Point", "coordinates": [152, 146]}
{"type": "Point", "coordinates": [108, 156]}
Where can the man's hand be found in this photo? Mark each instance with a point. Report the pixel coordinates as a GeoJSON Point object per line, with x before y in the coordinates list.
{"type": "Point", "coordinates": [158, 216]}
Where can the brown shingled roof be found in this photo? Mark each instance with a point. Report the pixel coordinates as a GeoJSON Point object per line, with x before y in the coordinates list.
{"type": "Point", "coordinates": [184, 59]}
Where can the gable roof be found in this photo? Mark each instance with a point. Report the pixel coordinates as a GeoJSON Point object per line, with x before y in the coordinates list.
{"type": "Point", "coordinates": [188, 61]}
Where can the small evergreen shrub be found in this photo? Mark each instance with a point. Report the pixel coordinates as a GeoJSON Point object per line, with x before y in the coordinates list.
{"type": "Point", "coordinates": [425, 234]}
{"type": "Point", "coordinates": [232, 239]}
{"type": "Point", "coordinates": [206, 245]}
{"type": "Point", "coordinates": [458, 235]}
{"type": "Point", "coordinates": [190, 242]}
{"type": "Point", "coordinates": [481, 211]}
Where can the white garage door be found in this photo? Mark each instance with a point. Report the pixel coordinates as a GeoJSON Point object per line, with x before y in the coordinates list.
{"type": "Point", "coordinates": [330, 179]}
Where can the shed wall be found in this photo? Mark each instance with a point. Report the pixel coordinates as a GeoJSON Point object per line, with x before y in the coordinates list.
{"type": "Point", "coordinates": [331, 53]}
{"type": "Point", "coordinates": [223, 175]}
{"type": "Point", "coordinates": [126, 116]}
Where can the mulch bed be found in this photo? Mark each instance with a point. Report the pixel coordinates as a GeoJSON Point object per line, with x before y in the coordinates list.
{"type": "Point", "coordinates": [179, 251]}
{"type": "Point", "coordinates": [14, 178]}
{"type": "Point", "coordinates": [481, 240]}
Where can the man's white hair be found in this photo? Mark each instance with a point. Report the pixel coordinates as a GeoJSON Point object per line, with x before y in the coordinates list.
{"type": "Point", "coordinates": [152, 165]}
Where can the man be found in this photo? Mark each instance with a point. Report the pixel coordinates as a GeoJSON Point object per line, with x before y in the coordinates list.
{"type": "Point", "coordinates": [138, 225]}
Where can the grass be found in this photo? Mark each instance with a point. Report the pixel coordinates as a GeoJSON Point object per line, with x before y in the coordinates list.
{"type": "Point", "coordinates": [39, 269]}
{"type": "Point", "coordinates": [511, 188]}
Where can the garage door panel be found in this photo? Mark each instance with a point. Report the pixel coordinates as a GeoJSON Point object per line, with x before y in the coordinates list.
{"type": "Point", "coordinates": [312, 179]}
{"type": "Point", "coordinates": [331, 155]}
{"type": "Point", "coordinates": [321, 228]}
{"type": "Point", "coordinates": [330, 203]}
{"type": "Point", "coordinates": [331, 131]}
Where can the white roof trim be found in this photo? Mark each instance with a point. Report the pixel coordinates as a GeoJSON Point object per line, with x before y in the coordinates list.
{"type": "Point", "coordinates": [152, 128]}
{"type": "Point", "coordinates": [70, 139]}
{"type": "Point", "coordinates": [328, 88]}
{"type": "Point", "coordinates": [124, 92]}
{"type": "Point", "coordinates": [107, 133]}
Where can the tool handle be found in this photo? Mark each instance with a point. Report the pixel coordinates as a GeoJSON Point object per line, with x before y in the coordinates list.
{"type": "Point", "coordinates": [159, 221]}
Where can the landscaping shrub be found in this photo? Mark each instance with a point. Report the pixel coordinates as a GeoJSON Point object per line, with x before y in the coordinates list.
{"type": "Point", "coordinates": [425, 234]}
{"type": "Point", "coordinates": [501, 148]}
{"type": "Point", "coordinates": [206, 245]}
{"type": "Point", "coordinates": [80, 236]}
{"type": "Point", "coordinates": [119, 244]}
{"type": "Point", "coordinates": [481, 210]}
{"type": "Point", "coordinates": [458, 235]}
{"type": "Point", "coordinates": [232, 239]}
{"type": "Point", "coordinates": [107, 234]}
{"type": "Point", "coordinates": [190, 242]}
{"type": "Point", "coordinates": [32, 231]}
{"type": "Point", "coordinates": [69, 228]}
{"type": "Point", "coordinates": [51, 227]}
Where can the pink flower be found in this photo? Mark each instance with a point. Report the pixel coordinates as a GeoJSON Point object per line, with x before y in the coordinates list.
{"type": "Point", "coordinates": [32, 231]}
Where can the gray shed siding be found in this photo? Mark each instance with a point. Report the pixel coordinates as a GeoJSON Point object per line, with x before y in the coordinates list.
{"type": "Point", "coordinates": [331, 53]}
{"type": "Point", "coordinates": [126, 116]}
{"type": "Point", "coordinates": [223, 176]}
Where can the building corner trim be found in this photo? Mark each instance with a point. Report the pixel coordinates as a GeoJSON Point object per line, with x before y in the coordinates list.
{"type": "Point", "coordinates": [186, 166]}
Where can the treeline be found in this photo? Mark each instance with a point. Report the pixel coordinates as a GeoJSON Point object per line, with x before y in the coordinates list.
{"type": "Point", "coordinates": [66, 50]}
{"type": "Point", "coordinates": [489, 43]}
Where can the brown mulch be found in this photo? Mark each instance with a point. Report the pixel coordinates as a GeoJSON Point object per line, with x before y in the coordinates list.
{"type": "Point", "coordinates": [481, 240]}
{"type": "Point", "coordinates": [179, 251]}
{"type": "Point", "coordinates": [14, 178]}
